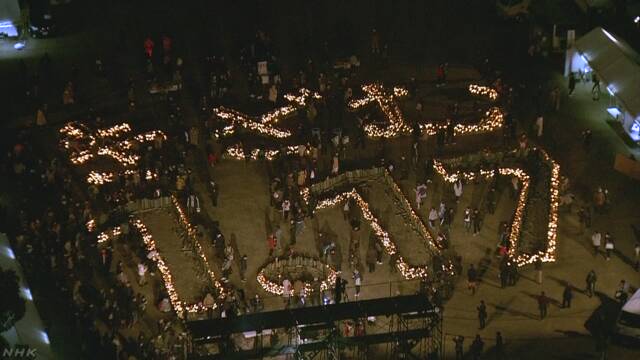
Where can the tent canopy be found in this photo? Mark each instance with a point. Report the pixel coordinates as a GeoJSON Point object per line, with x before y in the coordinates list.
{"type": "Point", "coordinates": [617, 65]}
{"type": "Point", "coordinates": [9, 11]}
{"type": "Point", "coordinates": [633, 305]}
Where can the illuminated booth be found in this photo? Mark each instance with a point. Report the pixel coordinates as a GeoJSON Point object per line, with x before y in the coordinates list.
{"type": "Point", "coordinates": [617, 66]}
{"type": "Point", "coordinates": [9, 18]}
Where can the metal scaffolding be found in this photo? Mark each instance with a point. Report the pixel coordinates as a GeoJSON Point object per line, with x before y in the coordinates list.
{"type": "Point", "coordinates": [402, 327]}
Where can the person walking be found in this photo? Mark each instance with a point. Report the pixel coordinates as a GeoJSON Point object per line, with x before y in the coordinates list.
{"type": "Point", "coordinates": [472, 278]}
{"type": "Point", "coordinates": [596, 240]}
{"type": "Point", "coordinates": [482, 314]}
{"type": "Point", "coordinates": [459, 345]}
{"type": "Point", "coordinates": [567, 295]}
{"type": "Point", "coordinates": [591, 283]}
{"type": "Point", "coordinates": [595, 89]}
{"type": "Point", "coordinates": [543, 303]}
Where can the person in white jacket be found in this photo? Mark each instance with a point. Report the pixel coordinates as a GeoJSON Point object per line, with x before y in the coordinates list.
{"type": "Point", "coordinates": [457, 189]}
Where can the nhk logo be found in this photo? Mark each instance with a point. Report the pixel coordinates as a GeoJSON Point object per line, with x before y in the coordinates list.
{"type": "Point", "coordinates": [18, 353]}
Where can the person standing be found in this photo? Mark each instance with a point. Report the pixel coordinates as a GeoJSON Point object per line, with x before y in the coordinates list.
{"type": "Point", "coordinates": [539, 125]}
{"type": "Point", "coordinates": [214, 192]}
{"type": "Point", "coordinates": [567, 295]}
{"type": "Point", "coordinates": [543, 304]}
{"type": "Point", "coordinates": [472, 277]}
{"type": "Point", "coordinates": [538, 266]}
{"type": "Point", "coordinates": [459, 344]}
{"type": "Point", "coordinates": [142, 271]}
{"type": "Point", "coordinates": [209, 304]}
{"type": "Point", "coordinates": [286, 291]}
{"type": "Point", "coordinates": [286, 208]}
{"type": "Point", "coordinates": [572, 84]}
{"type": "Point", "coordinates": [476, 347]}
{"type": "Point", "coordinates": [608, 245]}
{"type": "Point", "coordinates": [243, 268]}
{"type": "Point", "coordinates": [457, 190]}
{"type": "Point", "coordinates": [467, 219]}
{"type": "Point", "coordinates": [358, 282]}
{"type": "Point", "coordinates": [482, 314]}
{"type": "Point", "coordinates": [499, 346]}
{"type": "Point", "coordinates": [596, 240]}
{"type": "Point", "coordinates": [421, 194]}
{"type": "Point", "coordinates": [433, 217]}
{"type": "Point", "coordinates": [591, 283]}
{"type": "Point", "coordinates": [272, 242]}
{"type": "Point", "coordinates": [339, 288]}
{"type": "Point", "coordinates": [475, 219]}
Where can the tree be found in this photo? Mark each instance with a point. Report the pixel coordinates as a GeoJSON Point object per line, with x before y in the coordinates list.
{"type": "Point", "coordinates": [12, 305]}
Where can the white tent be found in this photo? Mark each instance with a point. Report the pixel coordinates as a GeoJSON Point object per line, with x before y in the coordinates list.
{"type": "Point", "coordinates": [9, 17]}
{"type": "Point", "coordinates": [618, 67]}
{"type": "Point", "coordinates": [633, 304]}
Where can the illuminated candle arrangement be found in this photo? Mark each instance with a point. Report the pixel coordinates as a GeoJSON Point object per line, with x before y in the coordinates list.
{"type": "Point", "coordinates": [521, 259]}
{"type": "Point", "coordinates": [236, 152]}
{"type": "Point", "coordinates": [193, 234]}
{"type": "Point", "coordinates": [483, 91]}
{"type": "Point", "coordinates": [109, 234]}
{"type": "Point", "coordinates": [84, 145]}
{"type": "Point", "coordinates": [263, 124]}
{"type": "Point", "coordinates": [277, 289]}
{"type": "Point", "coordinates": [549, 255]}
{"type": "Point", "coordinates": [150, 244]}
{"type": "Point", "coordinates": [375, 93]}
{"type": "Point", "coordinates": [493, 120]}
{"type": "Point", "coordinates": [99, 178]}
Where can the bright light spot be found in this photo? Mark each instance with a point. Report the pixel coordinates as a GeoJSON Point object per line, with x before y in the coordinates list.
{"type": "Point", "coordinates": [610, 36]}
{"type": "Point", "coordinates": [637, 19]}
{"type": "Point", "coordinates": [44, 337]}
{"type": "Point", "coordinates": [19, 45]}
{"type": "Point", "coordinates": [8, 252]}
{"type": "Point", "coordinates": [26, 293]}
{"type": "Point", "coordinates": [611, 90]}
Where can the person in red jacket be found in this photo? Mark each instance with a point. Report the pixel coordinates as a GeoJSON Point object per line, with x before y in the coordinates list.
{"type": "Point", "coordinates": [272, 242]}
{"type": "Point", "coordinates": [148, 47]}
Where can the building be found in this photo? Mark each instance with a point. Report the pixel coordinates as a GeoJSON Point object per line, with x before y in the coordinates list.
{"type": "Point", "coordinates": [617, 66]}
